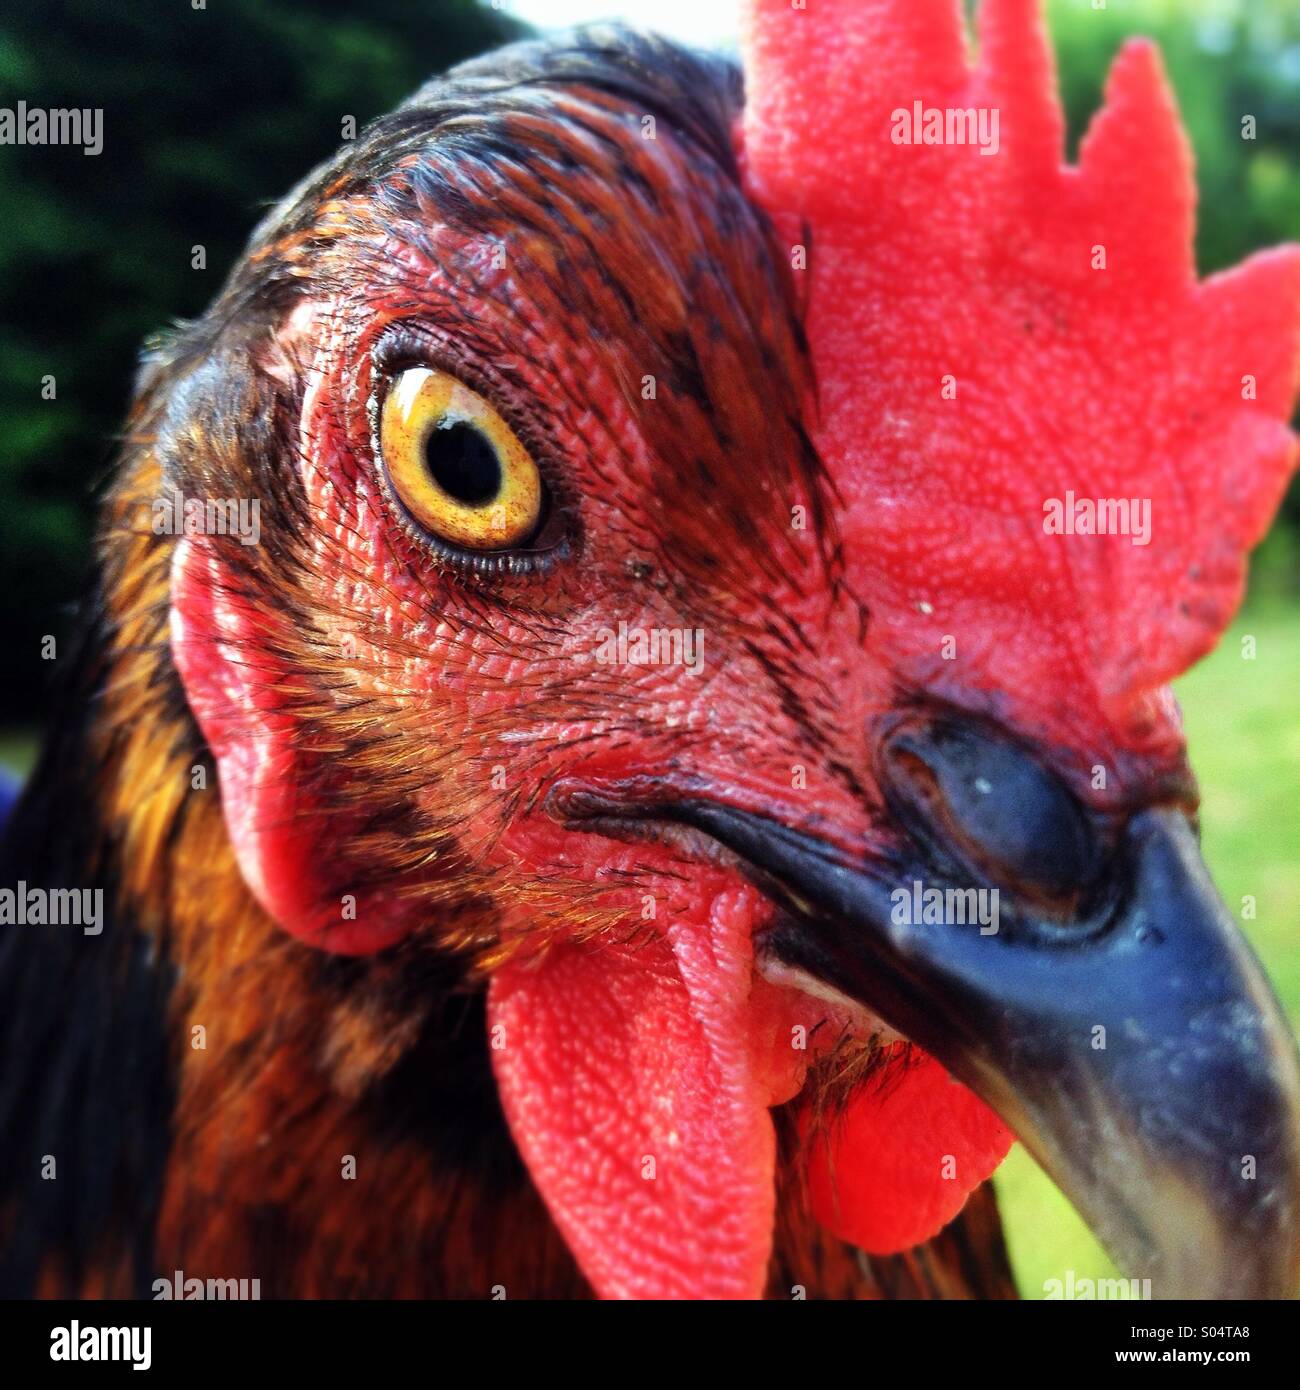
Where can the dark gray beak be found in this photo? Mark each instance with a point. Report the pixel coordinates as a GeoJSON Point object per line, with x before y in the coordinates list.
{"type": "Point", "coordinates": [1115, 1016]}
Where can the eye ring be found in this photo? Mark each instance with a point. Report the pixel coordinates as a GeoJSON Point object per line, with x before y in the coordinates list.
{"type": "Point", "coordinates": [455, 466]}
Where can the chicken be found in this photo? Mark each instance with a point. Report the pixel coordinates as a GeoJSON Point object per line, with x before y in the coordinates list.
{"type": "Point", "coordinates": [649, 805]}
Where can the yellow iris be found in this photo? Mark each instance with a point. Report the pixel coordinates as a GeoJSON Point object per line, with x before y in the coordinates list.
{"type": "Point", "coordinates": [455, 464]}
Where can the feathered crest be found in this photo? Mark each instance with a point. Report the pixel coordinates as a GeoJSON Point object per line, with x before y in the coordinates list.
{"type": "Point", "coordinates": [1003, 341]}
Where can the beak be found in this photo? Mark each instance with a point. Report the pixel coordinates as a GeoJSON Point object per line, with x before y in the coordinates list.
{"type": "Point", "coordinates": [1136, 1048]}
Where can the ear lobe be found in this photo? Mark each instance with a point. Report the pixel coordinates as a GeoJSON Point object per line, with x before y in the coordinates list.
{"type": "Point", "coordinates": [288, 837]}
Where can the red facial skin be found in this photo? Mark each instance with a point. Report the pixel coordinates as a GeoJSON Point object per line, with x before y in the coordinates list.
{"type": "Point", "coordinates": [637, 1051]}
{"type": "Point", "coordinates": [674, 1024]}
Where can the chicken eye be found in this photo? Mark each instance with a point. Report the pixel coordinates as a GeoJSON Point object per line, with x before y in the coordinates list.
{"type": "Point", "coordinates": [455, 465]}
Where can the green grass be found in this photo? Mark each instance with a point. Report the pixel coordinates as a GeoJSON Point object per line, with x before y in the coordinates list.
{"type": "Point", "coordinates": [1243, 730]}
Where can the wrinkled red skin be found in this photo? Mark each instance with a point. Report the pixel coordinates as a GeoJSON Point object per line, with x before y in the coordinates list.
{"type": "Point", "coordinates": [703, 1224]}
{"type": "Point", "coordinates": [925, 262]}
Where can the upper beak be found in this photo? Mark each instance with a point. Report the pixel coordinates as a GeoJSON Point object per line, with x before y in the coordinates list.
{"type": "Point", "coordinates": [1140, 1054]}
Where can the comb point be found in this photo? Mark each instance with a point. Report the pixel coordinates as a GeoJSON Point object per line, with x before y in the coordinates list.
{"type": "Point", "coordinates": [1018, 70]}
{"type": "Point", "coordinates": [1137, 164]}
{"type": "Point", "coordinates": [1249, 316]}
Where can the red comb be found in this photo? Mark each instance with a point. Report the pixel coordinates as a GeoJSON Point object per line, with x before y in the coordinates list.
{"type": "Point", "coordinates": [936, 265]}
{"type": "Point", "coordinates": [1133, 381]}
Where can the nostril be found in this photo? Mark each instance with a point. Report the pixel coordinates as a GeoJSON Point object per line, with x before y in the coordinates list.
{"type": "Point", "coordinates": [972, 795]}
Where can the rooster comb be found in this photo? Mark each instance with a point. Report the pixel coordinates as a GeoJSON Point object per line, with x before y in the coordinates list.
{"type": "Point", "coordinates": [1013, 351]}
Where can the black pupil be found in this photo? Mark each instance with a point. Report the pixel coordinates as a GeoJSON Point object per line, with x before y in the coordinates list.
{"type": "Point", "coordinates": [463, 464]}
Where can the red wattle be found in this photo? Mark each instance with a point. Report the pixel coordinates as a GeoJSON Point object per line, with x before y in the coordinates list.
{"type": "Point", "coordinates": [640, 1104]}
{"type": "Point", "coordinates": [898, 1165]}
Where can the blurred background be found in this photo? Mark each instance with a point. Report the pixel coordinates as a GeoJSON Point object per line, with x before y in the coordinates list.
{"type": "Point", "coordinates": [212, 112]}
